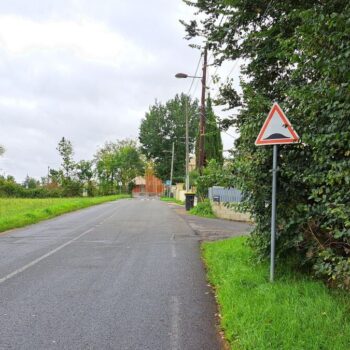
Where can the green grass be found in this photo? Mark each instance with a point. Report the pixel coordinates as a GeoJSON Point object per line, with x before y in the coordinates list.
{"type": "Point", "coordinates": [171, 200]}
{"type": "Point", "coordinates": [203, 209]}
{"type": "Point", "coordinates": [294, 312]}
{"type": "Point", "coordinates": [19, 212]}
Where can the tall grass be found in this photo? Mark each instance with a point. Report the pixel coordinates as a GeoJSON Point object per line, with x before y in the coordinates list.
{"type": "Point", "coordinates": [171, 200]}
{"type": "Point", "coordinates": [19, 212]}
{"type": "Point", "coordinates": [203, 209]}
{"type": "Point", "coordinates": [293, 313]}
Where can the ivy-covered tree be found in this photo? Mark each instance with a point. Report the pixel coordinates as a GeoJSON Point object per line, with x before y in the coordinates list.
{"type": "Point", "coordinates": [164, 124]}
{"type": "Point", "coordinates": [297, 53]}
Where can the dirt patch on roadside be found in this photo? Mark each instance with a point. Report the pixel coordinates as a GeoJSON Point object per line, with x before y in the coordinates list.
{"type": "Point", "coordinates": [212, 229]}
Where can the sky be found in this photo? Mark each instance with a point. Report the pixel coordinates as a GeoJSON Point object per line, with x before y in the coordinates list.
{"type": "Point", "coordinates": [87, 70]}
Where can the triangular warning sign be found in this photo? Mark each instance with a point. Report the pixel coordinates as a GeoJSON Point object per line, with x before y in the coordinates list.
{"type": "Point", "coordinates": [277, 129]}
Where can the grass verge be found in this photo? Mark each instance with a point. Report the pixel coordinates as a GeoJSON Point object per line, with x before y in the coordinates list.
{"type": "Point", "coordinates": [171, 200]}
{"type": "Point", "coordinates": [292, 313]}
{"type": "Point", "coordinates": [203, 209]}
{"type": "Point", "coordinates": [19, 212]}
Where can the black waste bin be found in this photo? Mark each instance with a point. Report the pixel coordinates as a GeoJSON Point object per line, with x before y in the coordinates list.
{"type": "Point", "coordinates": [189, 204]}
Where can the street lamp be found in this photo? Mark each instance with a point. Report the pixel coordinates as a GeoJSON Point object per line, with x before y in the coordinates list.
{"type": "Point", "coordinates": [202, 120]}
{"type": "Point", "coordinates": [187, 181]}
{"type": "Point", "coordinates": [172, 165]}
{"type": "Point", "coordinates": [184, 76]}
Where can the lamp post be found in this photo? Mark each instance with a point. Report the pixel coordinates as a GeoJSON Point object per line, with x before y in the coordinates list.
{"type": "Point", "coordinates": [201, 160]}
{"type": "Point", "coordinates": [172, 164]}
{"type": "Point", "coordinates": [187, 181]}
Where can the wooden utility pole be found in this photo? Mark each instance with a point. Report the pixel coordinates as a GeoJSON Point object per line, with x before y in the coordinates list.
{"type": "Point", "coordinates": [172, 164]}
{"type": "Point", "coordinates": [187, 180]}
{"type": "Point", "coordinates": [202, 117]}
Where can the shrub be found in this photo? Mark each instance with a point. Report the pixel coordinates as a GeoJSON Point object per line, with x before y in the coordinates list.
{"type": "Point", "coordinates": [203, 209]}
{"type": "Point", "coordinates": [296, 53]}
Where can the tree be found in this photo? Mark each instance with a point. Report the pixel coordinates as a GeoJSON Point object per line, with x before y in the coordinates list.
{"type": "Point", "coordinates": [116, 162]}
{"type": "Point", "coordinates": [56, 177]}
{"type": "Point", "coordinates": [106, 168]}
{"type": "Point", "coordinates": [214, 174]}
{"type": "Point", "coordinates": [85, 174]}
{"type": "Point", "coordinates": [65, 149]}
{"type": "Point", "coordinates": [2, 150]}
{"type": "Point", "coordinates": [70, 183]}
{"type": "Point", "coordinates": [164, 124]}
{"type": "Point", "coordinates": [129, 162]}
{"type": "Point", "coordinates": [31, 183]}
{"type": "Point", "coordinates": [213, 143]}
{"type": "Point", "coordinates": [295, 52]}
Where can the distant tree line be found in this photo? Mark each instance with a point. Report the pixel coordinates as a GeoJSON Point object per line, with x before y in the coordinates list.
{"type": "Point", "coordinates": [111, 171]}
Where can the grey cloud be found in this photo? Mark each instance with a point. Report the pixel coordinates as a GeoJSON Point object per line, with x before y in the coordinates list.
{"type": "Point", "coordinates": [87, 101]}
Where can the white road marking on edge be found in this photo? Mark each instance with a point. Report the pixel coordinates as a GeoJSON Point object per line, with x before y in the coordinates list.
{"type": "Point", "coordinates": [34, 262]}
{"type": "Point", "coordinates": [175, 320]}
{"type": "Point", "coordinates": [173, 251]}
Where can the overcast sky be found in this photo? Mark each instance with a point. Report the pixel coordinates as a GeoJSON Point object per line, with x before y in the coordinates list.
{"type": "Point", "coordinates": [87, 70]}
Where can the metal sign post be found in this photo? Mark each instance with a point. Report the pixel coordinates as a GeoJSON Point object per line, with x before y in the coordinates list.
{"type": "Point", "coordinates": [277, 130]}
{"type": "Point", "coordinates": [273, 213]}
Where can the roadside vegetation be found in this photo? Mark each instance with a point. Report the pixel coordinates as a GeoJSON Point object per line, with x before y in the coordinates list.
{"type": "Point", "coordinates": [171, 200]}
{"type": "Point", "coordinates": [203, 209]}
{"type": "Point", "coordinates": [112, 171]}
{"type": "Point", "coordinates": [19, 212]}
{"type": "Point", "coordinates": [296, 53]}
{"type": "Point", "coordinates": [295, 312]}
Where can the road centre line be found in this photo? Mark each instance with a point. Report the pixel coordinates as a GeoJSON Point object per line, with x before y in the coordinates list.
{"type": "Point", "coordinates": [175, 320]}
{"type": "Point", "coordinates": [51, 252]}
{"type": "Point", "coordinates": [34, 262]}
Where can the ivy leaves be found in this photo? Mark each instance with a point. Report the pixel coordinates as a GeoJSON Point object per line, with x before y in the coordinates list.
{"type": "Point", "coordinates": [297, 53]}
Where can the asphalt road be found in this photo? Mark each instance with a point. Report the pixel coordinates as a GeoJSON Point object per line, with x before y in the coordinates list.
{"type": "Point", "coordinates": [122, 275]}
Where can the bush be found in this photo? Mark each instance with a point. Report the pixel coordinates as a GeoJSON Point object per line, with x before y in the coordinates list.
{"type": "Point", "coordinates": [298, 56]}
{"type": "Point", "coordinates": [213, 175]}
{"type": "Point", "coordinates": [203, 209]}
{"type": "Point", "coordinates": [9, 188]}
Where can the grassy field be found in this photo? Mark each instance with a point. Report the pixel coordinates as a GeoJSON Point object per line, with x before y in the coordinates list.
{"type": "Point", "coordinates": [19, 212]}
{"type": "Point", "coordinates": [292, 313]}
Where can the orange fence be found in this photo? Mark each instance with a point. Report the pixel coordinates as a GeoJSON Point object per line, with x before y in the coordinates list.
{"type": "Point", "coordinates": [153, 185]}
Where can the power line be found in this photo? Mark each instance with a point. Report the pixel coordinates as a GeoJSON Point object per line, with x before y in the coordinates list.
{"type": "Point", "coordinates": [230, 135]}
{"type": "Point", "coordinates": [211, 53]}
{"type": "Point", "coordinates": [268, 7]}
{"type": "Point", "coordinates": [196, 87]}
{"type": "Point", "coordinates": [195, 73]}
{"type": "Point", "coordinates": [210, 56]}
{"type": "Point", "coordinates": [211, 77]}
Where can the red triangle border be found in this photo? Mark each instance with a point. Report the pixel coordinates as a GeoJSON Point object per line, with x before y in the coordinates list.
{"type": "Point", "coordinates": [276, 108]}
